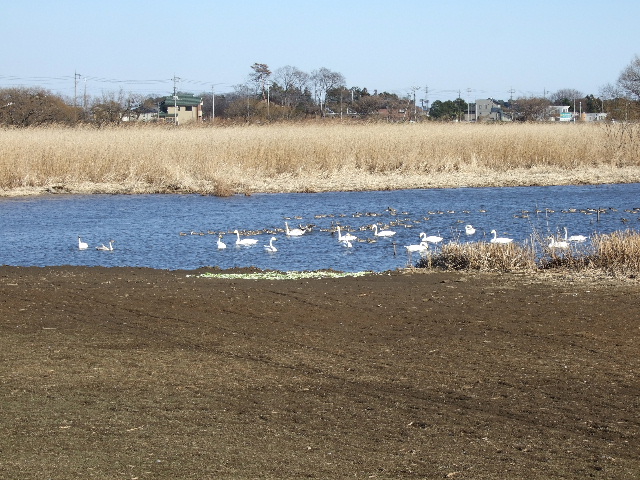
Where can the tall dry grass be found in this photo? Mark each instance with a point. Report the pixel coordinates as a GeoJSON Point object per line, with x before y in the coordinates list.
{"type": "Point", "coordinates": [616, 254]}
{"type": "Point", "coordinates": [481, 256]}
{"type": "Point", "coordinates": [309, 157]}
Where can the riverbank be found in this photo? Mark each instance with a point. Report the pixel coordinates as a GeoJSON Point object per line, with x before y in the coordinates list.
{"type": "Point", "coordinates": [139, 373]}
{"type": "Point", "coordinates": [349, 182]}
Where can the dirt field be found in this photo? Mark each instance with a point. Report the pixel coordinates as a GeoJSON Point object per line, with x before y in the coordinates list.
{"type": "Point", "coordinates": [133, 373]}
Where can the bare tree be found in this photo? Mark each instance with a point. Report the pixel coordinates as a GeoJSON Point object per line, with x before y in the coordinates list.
{"type": "Point", "coordinates": [629, 79]}
{"type": "Point", "coordinates": [566, 96]}
{"type": "Point", "coordinates": [324, 80]}
{"type": "Point", "coordinates": [617, 104]}
{"type": "Point", "coordinates": [530, 109]}
{"type": "Point", "coordinates": [26, 107]}
{"type": "Point", "coordinates": [112, 108]}
{"type": "Point", "coordinates": [610, 91]}
{"type": "Point", "coordinates": [242, 102]}
{"type": "Point", "coordinates": [259, 77]}
{"type": "Point", "coordinates": [292, 81]}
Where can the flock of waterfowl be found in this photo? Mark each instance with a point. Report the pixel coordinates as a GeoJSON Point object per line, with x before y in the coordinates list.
{"type": "Point", "coordinates": [373, 231]}
{"type": "Point", "coordinates": [388, 229]}
{"type": "Point", "coordinates": [380, 230]}
{"type": "Point", "coordinates": [395, 231]}
{"type": "Point", "coordinates": [347, 239]}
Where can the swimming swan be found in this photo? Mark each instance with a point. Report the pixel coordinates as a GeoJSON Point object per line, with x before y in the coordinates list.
{"type": "Point", "coordinates": [270, 247]}
{"type": "Point", "coordinates": [382, 233]}
{"type": "Point", "coordinates": [104, 248]}
{"type": "Point", "coordinates": [82, 245]}
{"type": "Point", "coordinates": [553, 243]}
{"type": "Point", "coordinates": [220, 243]}
{"type": "Point", "coordinates": [345, 238]}
{"type": "Point", "coordinates": [469, 230]}
{"type": "Point", "coordinates": [430, 238]}
{"type": "Point", "coordinates": [502, 240]}
{"type": "Point", "coordinates": [244, 241]}
{"type": "Point", "coordinates": [296, 232]}
{"type": "Point", "coordinates": [573, 238]}
{"type": "Point", "coordinates": [422, 247]}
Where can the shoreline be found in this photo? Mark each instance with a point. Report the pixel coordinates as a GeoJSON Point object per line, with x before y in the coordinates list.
{"type": "Point", "coordinates": [337, 182]}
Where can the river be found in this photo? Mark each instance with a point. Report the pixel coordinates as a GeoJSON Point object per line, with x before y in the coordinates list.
{"type": "Point", "coordinates": [180, 231]}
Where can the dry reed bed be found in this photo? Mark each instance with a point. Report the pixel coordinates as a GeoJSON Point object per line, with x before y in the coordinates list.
{"type": "Point", "coordinates": [616, 254]}
{"type": "Point", "coordinates": [316, 157]}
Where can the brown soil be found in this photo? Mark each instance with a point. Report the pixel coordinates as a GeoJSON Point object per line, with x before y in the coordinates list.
{"type": "Point", "coordinates": [137, 373]}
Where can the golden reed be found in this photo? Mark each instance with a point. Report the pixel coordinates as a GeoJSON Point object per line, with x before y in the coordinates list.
{"type": "Point", "coordinates": [319, 156]}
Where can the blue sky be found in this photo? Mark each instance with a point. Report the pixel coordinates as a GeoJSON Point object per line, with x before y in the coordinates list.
{"type": "Point", "coordinates": [482, 48]}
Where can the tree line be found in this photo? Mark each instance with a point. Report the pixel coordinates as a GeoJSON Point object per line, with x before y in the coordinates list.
{"type": "Point", "coordinates": [291, 94]}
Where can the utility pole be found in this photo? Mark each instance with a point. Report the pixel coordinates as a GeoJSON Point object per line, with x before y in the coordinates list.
{"type": "Point", "coordinates": [175, 81]}
{"type": "Point", "coordinates": [511, 92]}
{"type": "Point", "coordinates": [84, 97]}
{"type": "Point", "coordinates": [213, 103]}
{"type": "Point", "coordinates": [76, 76]}
{"type": "Point", "coordinates": [175, 99]}
{"type": "Point", "coordinates": [426, 97]}
{"type": "Point", "coordinates": [175, 110]}
{"type": "Point", "coordinates": [415, 106]}
{"type": "Point", "coordinates": [268, 85]}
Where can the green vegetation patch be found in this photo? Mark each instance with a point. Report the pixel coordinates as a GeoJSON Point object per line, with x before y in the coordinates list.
{"type": "Point", "coordinates": [281, 275]}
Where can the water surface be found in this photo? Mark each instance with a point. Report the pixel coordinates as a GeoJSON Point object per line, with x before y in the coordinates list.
{"type": "Point", "coordinates": [43, 231]}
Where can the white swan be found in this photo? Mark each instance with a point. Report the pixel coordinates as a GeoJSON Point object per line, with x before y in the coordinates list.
{"type": "Point", "coordinates": [573, 238]}
{"type": "Point", "coordinates": [270, 247]}
{"type": "Point", "coordinates": [469, 230]}
{"type": "Point", "coordinates": [382, 233]}
{"type": "Point", "coordinates": [104, 248]}
{"type": "Point", "coordinates": [220, 243]}
{"type": "Point", "coordinates": [296, 232]}
{"type": "Point", "coordinates": [553, 243]}
{"type": "Point", "coordinates": [244, 241]}
{"type": "Point", "coordinates": [502, 240]}
{"type": "Point", "coordinates": [345, 238]}
{"type": "Point", "coordinates": [82, 245]}
{"type": "Point", "coordinates": [430, 238]}
{"type": "Point", "coordinates": [422, 247]}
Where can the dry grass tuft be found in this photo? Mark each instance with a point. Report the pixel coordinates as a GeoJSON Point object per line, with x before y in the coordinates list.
{"type": "Point", "coordinates": [481, 256]}
{"type": "Point", "coordinates": [617, 253]}
{"type": "Point", "coordinates": [614, 254]}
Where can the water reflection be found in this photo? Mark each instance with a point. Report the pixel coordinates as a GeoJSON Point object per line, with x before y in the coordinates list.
{"type": "Point", "coordinates": [181, 231]}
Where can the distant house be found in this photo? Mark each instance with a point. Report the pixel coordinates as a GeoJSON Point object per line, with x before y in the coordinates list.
{"type": "Point", "coordinates": [490, 110]}
{"type": "Point", "coordinates": [181, 108]}
{"type": "Point", "coordinates": [393, 115]}
{"type": "Point", "coordinates": [148, 116]}
{"type": "Point", "coordinates": [559, 113]}
{"type": "Point", "coordinates": [594, 117]}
